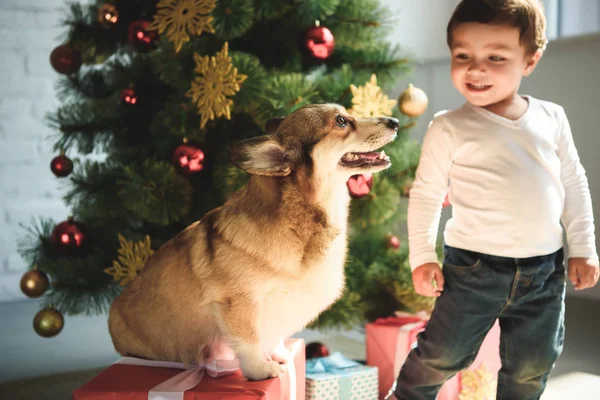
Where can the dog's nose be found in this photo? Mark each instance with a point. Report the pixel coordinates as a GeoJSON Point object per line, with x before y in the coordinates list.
{"type": "Point", "coordinates": [392, 123]}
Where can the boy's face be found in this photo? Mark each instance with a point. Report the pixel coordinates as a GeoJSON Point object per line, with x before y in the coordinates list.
{"type": "Point", "coordinates": [488, 62]}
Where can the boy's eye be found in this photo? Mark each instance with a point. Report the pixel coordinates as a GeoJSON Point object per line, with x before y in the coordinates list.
{"type": "Point", "coordinates": [462, 56]}
{"type": "Point", "coordinates": [341, 121]}
{"type": "Point", "coordinates": [497, 58]}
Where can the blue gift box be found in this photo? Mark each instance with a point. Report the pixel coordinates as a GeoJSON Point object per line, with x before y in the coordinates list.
{"type": "Point", "coordinates": [338, 378]}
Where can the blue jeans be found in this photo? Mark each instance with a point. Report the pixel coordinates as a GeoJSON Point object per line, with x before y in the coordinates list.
{"type": "Point", "coordinates": [526, 295]}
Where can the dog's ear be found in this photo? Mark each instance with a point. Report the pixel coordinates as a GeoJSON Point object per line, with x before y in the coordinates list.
{"type": "Point", "coordinates": [272, 125]}
{"type": "Point", "coordinates": [264, 155]}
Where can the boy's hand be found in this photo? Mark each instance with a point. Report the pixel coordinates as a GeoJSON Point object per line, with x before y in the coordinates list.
{"type": "Point", "coordinates": [424, 277]}
{"type": "Point", "coordinates": [583, 272]}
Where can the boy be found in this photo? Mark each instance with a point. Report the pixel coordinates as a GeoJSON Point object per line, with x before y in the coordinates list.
{"type": "Point", "coordinates": [510, 167]}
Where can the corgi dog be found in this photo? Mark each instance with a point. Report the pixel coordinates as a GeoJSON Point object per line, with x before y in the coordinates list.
{"type": "Point", "coordinates": [267, 262]}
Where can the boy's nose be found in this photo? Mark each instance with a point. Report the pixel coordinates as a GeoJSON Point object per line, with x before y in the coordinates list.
{"type": "Point", "coordinates": [476, 66]}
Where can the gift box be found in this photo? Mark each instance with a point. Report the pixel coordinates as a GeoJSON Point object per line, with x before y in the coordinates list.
{"type": "Point", "coordinates": [336, 377]}
{"type": "Point", "coordinates": [389, 340]}
{"type": "Point", "coordinates": [138, 379]}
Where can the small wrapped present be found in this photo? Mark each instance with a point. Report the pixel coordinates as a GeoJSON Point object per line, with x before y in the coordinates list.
{"type": "Point", "coordinates": [336, 377]}
{"type": "Point", "coordinates": [389, 340]}
{"type": "Point", "coordinates": [138, 379]}
{"type": "Point", "coordinates": [479, 381]}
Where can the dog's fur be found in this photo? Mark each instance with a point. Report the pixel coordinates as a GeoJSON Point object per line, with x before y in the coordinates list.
{"type": "Point", "coordinates": [268, 261]}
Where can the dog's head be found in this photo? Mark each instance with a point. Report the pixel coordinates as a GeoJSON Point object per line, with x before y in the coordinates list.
{"type": "Point", "coordinates": [319, 136]}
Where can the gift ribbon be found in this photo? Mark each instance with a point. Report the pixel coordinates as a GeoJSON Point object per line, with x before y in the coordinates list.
{"type": "Point", "coordinates": [330, 364]}
{"type": "Point", "coordinates": [174, 387]}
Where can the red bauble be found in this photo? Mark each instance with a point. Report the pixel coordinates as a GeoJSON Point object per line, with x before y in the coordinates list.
{"type": "Point", "coordinates": [69, 236]}
{"type": "Point", "coordinates": [61, 166]}
{"type": "Point", "coordinates": [139, 37]}
{"type": "Point", "coordinates": [316, 349]}
{"type": "Point", "coordinates": [129, 97]}
{"type": "Point", "coordinates": [446, 202]}
{"type": "Point", "coordinates": [65, 59]}
{"type": "Point", "coordinates": [393, 242]}
{"type": "Point", "coordinates": [319, 42]}
{"type": "Point", "coordinates": [188, 158]}
{"type": "Point", "coordinates": [360, 185]}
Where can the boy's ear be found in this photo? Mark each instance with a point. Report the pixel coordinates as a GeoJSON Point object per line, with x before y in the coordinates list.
{"type": "Point", "coordinates": [533, 62]}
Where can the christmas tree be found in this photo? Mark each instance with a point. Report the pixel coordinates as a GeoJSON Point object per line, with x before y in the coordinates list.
{"type": "Point", "coordinates": [158, 91]}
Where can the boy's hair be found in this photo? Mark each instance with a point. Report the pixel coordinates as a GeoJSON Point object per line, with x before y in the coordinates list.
{"type": "Point", "coordinates": [527, 15]}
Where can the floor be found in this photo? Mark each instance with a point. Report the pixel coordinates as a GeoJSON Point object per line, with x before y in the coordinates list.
{"type": "Point", "coordinates": [576, 376]}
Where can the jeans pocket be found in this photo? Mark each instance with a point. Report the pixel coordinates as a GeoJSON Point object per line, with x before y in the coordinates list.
{"type": "Point", "coordinates": [460, 260]}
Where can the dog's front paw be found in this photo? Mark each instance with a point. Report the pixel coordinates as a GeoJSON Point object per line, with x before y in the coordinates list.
{"type": "Point", "coordinates": [258, 371]}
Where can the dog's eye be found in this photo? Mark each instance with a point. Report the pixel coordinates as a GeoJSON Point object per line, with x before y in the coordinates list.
{"type": "Point", "coordinates": [341, 121]}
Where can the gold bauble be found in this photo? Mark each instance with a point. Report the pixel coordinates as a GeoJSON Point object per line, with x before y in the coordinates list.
{"type": "Point", "coordinates": [34, 283]}
{"type": "Point", "coordinates": [108, 15]}
{"type": "Point", "coordinates": [48, 322]}
{"type": "Point", "coordinates": [413, 101]}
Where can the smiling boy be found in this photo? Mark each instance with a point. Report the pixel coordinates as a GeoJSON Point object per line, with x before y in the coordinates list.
{"type": "Point", "coordinates": [513, 176]}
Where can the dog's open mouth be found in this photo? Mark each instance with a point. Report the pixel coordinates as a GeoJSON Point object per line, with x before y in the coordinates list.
{"type": "Point", "coordinates": [370, 158]}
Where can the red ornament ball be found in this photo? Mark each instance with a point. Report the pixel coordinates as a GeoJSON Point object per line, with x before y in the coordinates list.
{"type": "Point", "coordinates": [319, 42]}
{"type": "Point", "coordinates": [128, 97]}
{"type": "Point", "coordinates": [315, 350]}
{"type": "Point", "coordinates": [360, 185]}
{"type": "Point", "coordinates": [61, 166]}
{"type": "Point", "coordinates": [140, 38]}
{"type": "Point", "coordinates": [446, 202]}
{"type": "Point", "coordinates": [65, 59]}
{"type": "Point", "coordinates": [188, 159]}
{"type": "Point", "coordinates": [393, 242]}
{"type": "Point", "coordinates": [69, 235]}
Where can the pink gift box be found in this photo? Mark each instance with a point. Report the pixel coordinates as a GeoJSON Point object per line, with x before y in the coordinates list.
{"type": "Point", "coordinates": [389, 340]}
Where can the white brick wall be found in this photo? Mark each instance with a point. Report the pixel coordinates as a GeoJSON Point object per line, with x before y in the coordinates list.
{"type": "Point", "coordinates": [28, 32]}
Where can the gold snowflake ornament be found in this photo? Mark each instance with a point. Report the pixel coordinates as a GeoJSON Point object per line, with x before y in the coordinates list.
{"type": "Point", "coordinates": [478, 384]}
{"type": "Point", "coordinates": [132, 258]}
{"type": "Point", "coordinates": [182, 18]}
{"type": "Point", "coordinates": [370, 101]}
{"type": "Point", "coordinates": [216, 79]}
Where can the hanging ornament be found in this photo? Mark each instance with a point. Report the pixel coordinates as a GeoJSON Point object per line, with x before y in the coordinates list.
{"type": "Point", "coordinates": [478, 384]}
{"type": "Point", "coordinates": [182, 19]}
{"type": "Point", "coordinates": [61, 165]}
{"type": "Point", "coordinates": [65, 59]}
{"type": "Point", "coordinates": [316, 350]}
{"type": "Point", "coordinates": [319, 42]}
{"type": "Point", "coordinates": [187, 158]}
{"type": "Point", "coordinates": [131, 259]}
{"type": "Point", "coordinates": [34, 283]}
{"type": "Point", "coordinates": [393, 242]}
{"type": "Point", "coordinates": [413, 101]}
{"type": "Point", "coordinates": [360, 185]}
{"type": "Point", "coordinates": [370, 101]}
{"type": "Point", "coordinates": [69, 235]}
{"type": "Point", "coordinates": [446, 202]}
{"type": "Point", "coordinates": [140, 37]}
{"type": "Point", "coordinates": [108, 15]}
{"type": "Point", "coordinates": [128, 97]}
{"type": "Point", "coordinates": [48, 322]}
{"type": "Point", "coordinates": [216, 79]}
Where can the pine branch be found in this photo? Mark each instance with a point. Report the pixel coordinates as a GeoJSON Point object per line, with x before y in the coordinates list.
{"type": "Point", "coordinates": [155, 193]}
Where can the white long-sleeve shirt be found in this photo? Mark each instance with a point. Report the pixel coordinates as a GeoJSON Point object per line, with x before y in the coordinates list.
{"type": "Point", "coordinates": [511, 184]}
